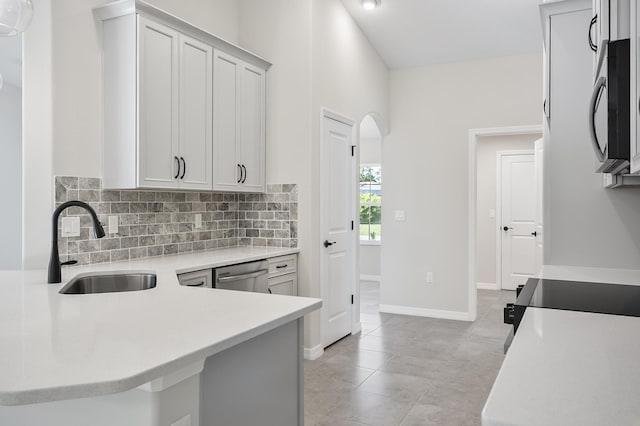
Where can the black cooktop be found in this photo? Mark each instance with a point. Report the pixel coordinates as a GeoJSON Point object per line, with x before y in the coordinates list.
{"type": "Point", "coordinates": [581, 296]}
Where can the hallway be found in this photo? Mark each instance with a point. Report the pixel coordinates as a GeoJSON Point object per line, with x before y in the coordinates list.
{"type": "Point", "coordinates": [404, 370]}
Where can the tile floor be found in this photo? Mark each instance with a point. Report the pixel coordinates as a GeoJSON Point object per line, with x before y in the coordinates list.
{"type": "Point", "coordinates": [408, 370]}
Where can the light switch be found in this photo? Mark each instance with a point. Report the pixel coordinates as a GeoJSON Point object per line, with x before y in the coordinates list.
{"type": "Point", "coordinates": [492, 213]}
{"type": "Point", "coordinates": [399, 215]}
{"type": "Point", "coordinates": [198, 221]}
{"type": "Point", "coordinates": [71, 226]}
{"type": "Point", "coordinates": [113, 224]}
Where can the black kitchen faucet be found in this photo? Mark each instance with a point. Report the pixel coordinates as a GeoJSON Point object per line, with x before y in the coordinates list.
{"type": "Point", "coordinates": [55, 274]}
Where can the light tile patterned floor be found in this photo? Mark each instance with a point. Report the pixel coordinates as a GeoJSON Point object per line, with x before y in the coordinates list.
{"type": "Point", "coordinates": [408, 370]}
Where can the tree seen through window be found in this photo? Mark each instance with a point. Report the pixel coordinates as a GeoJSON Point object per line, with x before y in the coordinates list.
{"type": "Point", "coordinates": [370, 203]}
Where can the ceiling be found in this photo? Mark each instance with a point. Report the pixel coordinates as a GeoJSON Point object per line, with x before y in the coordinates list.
{"type": "Point", "coordinates": [11, 60]}
{"type": "Point", "coordinates": [413, 33]}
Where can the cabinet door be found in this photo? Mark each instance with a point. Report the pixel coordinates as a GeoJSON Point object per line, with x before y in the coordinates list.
{"type": "Point", "coordinates": [635, 86]}
{"type": "Point", "coordinates": [226, 105]}
{"type": "Point", "coordinates": [285, 284]}
{"type": "Point", "coordinates": [196, 119]}
{"type": "Point", "coordinates": [252, 130]}
{"type": "Point", "coordinates": [157, 105]}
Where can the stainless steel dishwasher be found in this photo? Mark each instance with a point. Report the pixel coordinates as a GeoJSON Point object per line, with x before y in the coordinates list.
{"type": "Point", "coordinates": [250, 276]}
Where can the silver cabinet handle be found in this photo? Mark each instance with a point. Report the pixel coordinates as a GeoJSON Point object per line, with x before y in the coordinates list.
{"type": "Point", "coordinates": [597, 90]}
{"type": "Point", "coordinates": [242, 276]}
{"type": "Point", "coordinates": [200, 284]}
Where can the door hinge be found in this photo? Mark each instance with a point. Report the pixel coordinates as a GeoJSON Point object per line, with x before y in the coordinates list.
{"type": "Point", "coordinates": [353, 225]}
{"type": "Point", "coordinates": [353, 150]}
{"type": "Point", "coordinates": [352, 299]}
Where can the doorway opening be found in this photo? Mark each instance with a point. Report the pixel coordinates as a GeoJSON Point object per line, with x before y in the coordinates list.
{"type": "Point", "coordinates": [501, 164]}
{"type": "Point", "coordinates": [370, 199]}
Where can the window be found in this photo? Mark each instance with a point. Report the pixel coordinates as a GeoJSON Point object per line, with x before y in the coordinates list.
{"type": "Point", "coordinates": [370, 202]}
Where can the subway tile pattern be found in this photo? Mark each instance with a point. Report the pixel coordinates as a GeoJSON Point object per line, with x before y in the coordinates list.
{"type": "Point", "coordinates": [156, 223]}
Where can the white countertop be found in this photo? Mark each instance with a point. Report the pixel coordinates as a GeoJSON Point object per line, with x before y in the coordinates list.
{"type": "Point", "coordinates": [55, 346]}
{"type": "Point", "coordinates": [570, 368]}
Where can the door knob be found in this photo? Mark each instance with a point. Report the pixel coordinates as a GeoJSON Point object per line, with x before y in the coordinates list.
{"type": "Point", "coordinates": [506, 228]}
{"type": "Point", "coordinates": [327, 243]}
{"type": "Point", "coordinates": [534, 233]}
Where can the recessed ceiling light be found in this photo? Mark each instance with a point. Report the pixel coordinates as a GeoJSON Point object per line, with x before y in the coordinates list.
{"type": "Point", "coordinates": [370, 4]}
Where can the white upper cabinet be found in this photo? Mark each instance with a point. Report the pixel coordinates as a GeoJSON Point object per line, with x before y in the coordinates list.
{"type": "Point", "coordinates": [196, 113]}
{"type": "Point", "coordinates": [227, 170]}
{"type": "Point", "coordinates": [158, 147]}
{"type": "Point", "coordinates": [239, 123]}
{"type": "Point", "coordinates": [252, 128]}
{"type": "Point", "coordinates": [182, 108]}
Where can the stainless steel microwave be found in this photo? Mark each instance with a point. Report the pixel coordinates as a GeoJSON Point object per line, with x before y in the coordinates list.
{"type": "Point", "coordinates": [609, 111]}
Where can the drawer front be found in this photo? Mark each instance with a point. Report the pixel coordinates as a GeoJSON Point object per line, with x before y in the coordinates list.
{"type": "Point", "coordinates": [197, 279]}
{"type": "Point", "coordinates": [284, 284]}
{"type": "Point", "coordinates": [282, 265]}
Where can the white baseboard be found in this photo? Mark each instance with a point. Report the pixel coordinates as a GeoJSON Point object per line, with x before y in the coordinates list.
{"type": "Point", "coordinates": [487, 286]}
{"type": "Point", "coordinates": [356, 327]}
{"type": "Point", "coordinates": [423, 312]}
{"type": "Point", "coordinates": [313, 353]}
{"type": "Point", "coordinates": [375, 278]}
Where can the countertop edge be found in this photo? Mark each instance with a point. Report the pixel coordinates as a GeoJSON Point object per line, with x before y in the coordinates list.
{"type": "Point", "coordinates": [18, 398]}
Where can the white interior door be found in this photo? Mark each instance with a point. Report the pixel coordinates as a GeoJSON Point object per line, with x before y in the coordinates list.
{"type": "Point", "coordinates": [539, 229]}
{"type": "Point", "coordinates": [337, 259]}
{"type": "Point", "coordinates": [518, 214]}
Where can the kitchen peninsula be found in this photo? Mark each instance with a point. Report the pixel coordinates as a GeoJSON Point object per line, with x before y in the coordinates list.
{"type": "Point", "coordinates": [169, 355]}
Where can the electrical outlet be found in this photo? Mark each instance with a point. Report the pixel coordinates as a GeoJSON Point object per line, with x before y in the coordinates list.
{"type": "Point", "coordinates": [492, 213]}
{"type": "Point", "coordinates": [198, 221]}
{"type": "Point", "coordinates": [113, 225]}
{"type": "Point", "coordinates": [399, 215]}
{"type": "Point", "coordinates": [71, 226]}
{"type": "Point", "coordinates": [429, 277]}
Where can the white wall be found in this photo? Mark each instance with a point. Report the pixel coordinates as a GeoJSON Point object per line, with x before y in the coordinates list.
{"type": "Point", "coordinates": [321, 58]}
{"type": "Point", "coordinates": [77, 75]}
{"type": "Point", "coordinates": [486, 198]}
{"type": "Point", "coordinates": [350, 78]}
{"type": "Point", "coordinates": [37, 150]}
{"type": "Point", "coordinates": [426, 171]}
{"type": "Point", "coordinates": [11, 177]}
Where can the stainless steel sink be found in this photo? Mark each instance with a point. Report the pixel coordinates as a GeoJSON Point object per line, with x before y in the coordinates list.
{"type": "Point", "coordinates": [110, 283]}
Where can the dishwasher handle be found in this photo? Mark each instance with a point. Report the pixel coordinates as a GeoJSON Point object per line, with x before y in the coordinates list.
{"type": "Point", "coordinates": [243, 276]}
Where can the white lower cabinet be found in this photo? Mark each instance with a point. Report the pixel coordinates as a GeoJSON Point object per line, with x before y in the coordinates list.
{"type": "Point", "coordinates": [285, 284]}
{"type": "Point", "coordinates": [283, 275]}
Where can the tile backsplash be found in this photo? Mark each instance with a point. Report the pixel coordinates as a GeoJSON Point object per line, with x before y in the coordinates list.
{"type": "Point", "coordinates": [155, 223]}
